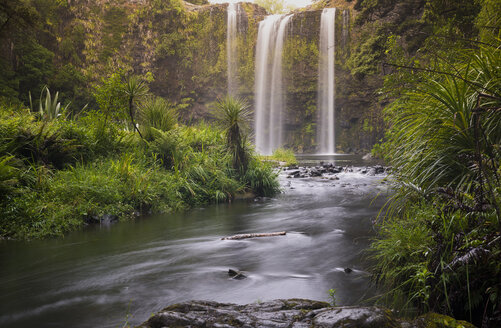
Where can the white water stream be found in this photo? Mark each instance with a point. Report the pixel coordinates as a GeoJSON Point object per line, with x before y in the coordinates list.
{"type": "Point", "coordinates": [326, 83]}
{"type": "Point", "coordinates": [231, 47]}
{"type": "Point", "coordinates": [346, 27]}
{"type": "Point", "coordinates": [269, 88]}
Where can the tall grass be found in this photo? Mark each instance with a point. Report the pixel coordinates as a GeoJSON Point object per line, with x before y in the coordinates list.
{"type": "Point", "coordinates": [8, 175]}
{"type": "Point", "coordinates": [282, 155]}
{"type": "Point", "coordinates": [261, 178]}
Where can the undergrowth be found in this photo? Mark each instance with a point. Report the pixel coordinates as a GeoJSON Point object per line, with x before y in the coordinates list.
{"type": "Point", "coordinates": [439, 245]}
{"type": "Point", "coordinates": [57, 175]}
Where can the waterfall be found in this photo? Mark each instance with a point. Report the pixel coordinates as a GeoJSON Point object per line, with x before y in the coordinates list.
{"type": "Point", "coordinates": [264, 40]}
{"type": "Point", "coordinates": [326, 82]}
{"type": "Point", "coordinates": [231, 47]}
{"type": "Point", "coordinates": [346, 27]}
{"type": "Point", "coordinates": [269, 93]}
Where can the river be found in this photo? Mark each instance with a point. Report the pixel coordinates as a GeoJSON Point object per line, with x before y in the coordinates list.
{"type": "Point", "coordinates": [99, 277]}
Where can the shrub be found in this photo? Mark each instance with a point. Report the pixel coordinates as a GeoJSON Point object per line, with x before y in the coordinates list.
{"type": "Point", "coordinates": [261, 179]}
{"type": "Point", "coordinates": [234, 115]}
{"type": "Point", "coordinates": [157, 113]}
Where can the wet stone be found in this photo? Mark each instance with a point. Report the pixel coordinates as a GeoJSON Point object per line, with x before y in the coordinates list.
{"type": "Point", "coordinates": [354, 317]}
{"type": "Point", "coordinates": [296, 313]}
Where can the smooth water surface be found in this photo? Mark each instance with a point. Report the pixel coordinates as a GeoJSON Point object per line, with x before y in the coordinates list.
{"type": "Point", "coordinates": [96, 277]}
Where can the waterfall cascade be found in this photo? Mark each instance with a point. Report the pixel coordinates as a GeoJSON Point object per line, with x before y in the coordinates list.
{"type": "Point", "coordinates": [326, 83]}
{"type": "Point", "coordinates": [269, 91]}
{"type": "Point", "coordinates": [231, 47]}
{"type": "Point", "coordinates": [346, 27]}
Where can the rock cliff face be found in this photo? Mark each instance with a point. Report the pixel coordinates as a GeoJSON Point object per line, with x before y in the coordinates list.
{"type": "Point", "coordinates": [181, 49]}
{"type": "Point", "coordinates": [296, 313]}
{"type": "Point", "coordinates": [178, 46]}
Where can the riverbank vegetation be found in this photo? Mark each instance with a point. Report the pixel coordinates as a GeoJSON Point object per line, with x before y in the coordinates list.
{"type": "Point", "coordinates": [439, 244]}
{"type": "Point", "coordinates": [281, 157]}
{"type": "Point", "coordinates": [59, 171]}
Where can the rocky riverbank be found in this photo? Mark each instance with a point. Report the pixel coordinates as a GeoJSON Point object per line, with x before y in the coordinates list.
{"type": "Point", "coordinates": [295, 313]}
{"type": "Point", "coordinates": [330, 171]}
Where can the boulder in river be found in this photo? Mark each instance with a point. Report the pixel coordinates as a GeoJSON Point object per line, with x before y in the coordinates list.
{"type": "Point", "coordinates": [314, 172]}
{"type": "Point", "coordinates": [379, 169]}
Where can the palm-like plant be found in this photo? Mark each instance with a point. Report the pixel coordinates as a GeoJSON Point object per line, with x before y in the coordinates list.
{"type": "Point", "coordinates": [157, 113]}
{"type": "Point", "coordinates": [234, 115]}
{"type": "Point", "coordinates": [446, 135]}
{"type": "Point", "coordinates": [48, 108]}
{"type": "Point", "coordinates": [134, 89]}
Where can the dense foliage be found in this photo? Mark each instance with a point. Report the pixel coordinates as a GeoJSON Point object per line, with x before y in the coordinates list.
{"type": "Point", "coordinates": [439, 244]}
{"type": "Point", "coordinates": [59, 173]}
{"type": "Point", "coordinates": [275, 6]}
{"type": "Point", "coordinates": [95, 143]}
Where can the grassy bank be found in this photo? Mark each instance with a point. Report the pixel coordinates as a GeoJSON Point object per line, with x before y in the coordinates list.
{"type": "Point", "coordinates": [281, 157]}
{"type": "Point", "coordinates": [58, 173]}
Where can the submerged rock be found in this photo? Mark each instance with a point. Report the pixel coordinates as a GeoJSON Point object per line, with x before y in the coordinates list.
{"type": "Point", "coordinates": [234, 274]}
{"type": "Point", "coordinates": [314, 172]}
{"type": "Point", "coordinates": [295, 313]}
{"type": "Point", "coordinates": [106, 219]}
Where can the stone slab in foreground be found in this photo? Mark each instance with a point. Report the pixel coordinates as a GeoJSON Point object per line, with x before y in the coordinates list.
{"type": "Point", "coordinates": [294, 313]}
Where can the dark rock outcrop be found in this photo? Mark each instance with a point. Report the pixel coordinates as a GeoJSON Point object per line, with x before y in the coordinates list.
{"type": "Point", "coordinates": [295, 313]}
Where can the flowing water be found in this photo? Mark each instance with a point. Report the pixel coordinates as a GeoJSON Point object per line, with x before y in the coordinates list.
{"type": "Point", "coordinates": [231, 47]}
{"type": "Point", "coordinates": [96, 277]}
{"type": "Point", "coordinates": [269, 89]}
{"type": "Point", "coordinates": [326, 82]}
{"type": "Point", "coordinates": [346, 27]}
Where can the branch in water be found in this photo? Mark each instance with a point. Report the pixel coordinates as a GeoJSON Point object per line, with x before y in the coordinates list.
{"type": "Point", "coordinates": [254, 235]}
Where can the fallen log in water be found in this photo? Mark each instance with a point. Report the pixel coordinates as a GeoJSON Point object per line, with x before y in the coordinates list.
{"type": "Point", "coordinates": [254, 235]}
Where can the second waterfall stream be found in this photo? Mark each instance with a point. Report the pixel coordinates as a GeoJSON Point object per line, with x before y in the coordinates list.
{"type": "Point", "coordinates": [269, 86]}
{"type": "Point", "coordinates": [326, 82]}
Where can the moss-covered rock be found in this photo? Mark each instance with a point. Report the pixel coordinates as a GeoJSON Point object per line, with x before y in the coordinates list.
{"type": "Point", "coordinates": [435, 320]}
{"type": "Point", "coordinates": [290, 313]}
